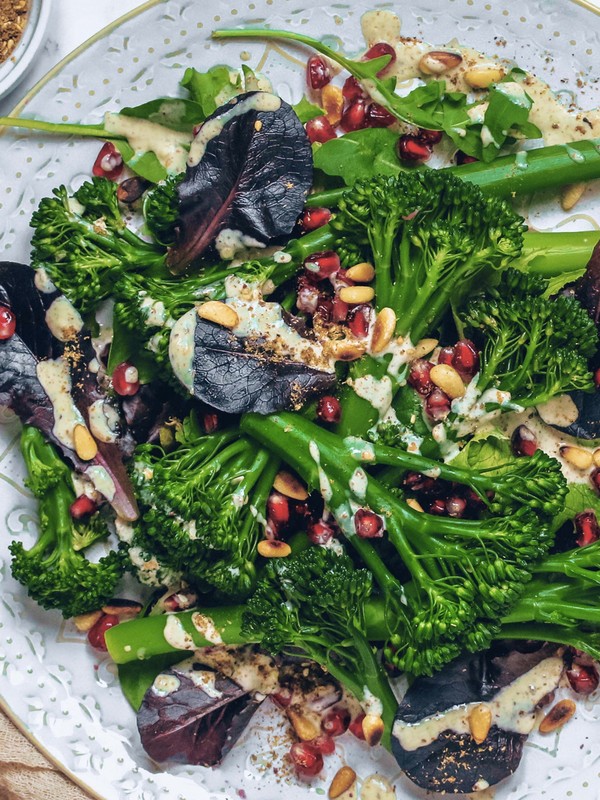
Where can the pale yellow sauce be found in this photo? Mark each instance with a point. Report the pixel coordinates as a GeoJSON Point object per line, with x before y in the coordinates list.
{"type": "Point", "coordinates": [377, 787]}
{"type": "Point", "coordinates": [169, 146]}
{"type": "Point", "coordinates": [55, 377]}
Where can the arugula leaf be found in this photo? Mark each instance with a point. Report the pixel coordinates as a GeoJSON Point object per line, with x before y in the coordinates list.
{"type": "Point", "coordinates": [306, 110]}
{"type": "Point", "coordinates": [580, 497]}
{"type": "Point", "coordinates": [360, 154]}
{"type": "Point", "coordinates": [126, 347]}
{"type": "Point", "coordinates": [175, 113]}
{"type": "Point", "coordinates": [213, 88]}
{"type": "Point", "coordinates": [138, 676]}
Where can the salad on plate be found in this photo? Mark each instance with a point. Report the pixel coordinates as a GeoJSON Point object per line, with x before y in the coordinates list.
{"type": "Point", "coordinates": [311, 413]}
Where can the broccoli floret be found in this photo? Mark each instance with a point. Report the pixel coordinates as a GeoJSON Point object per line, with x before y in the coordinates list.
{"type": "Point", "coordinates": [161, 210]}
{"type": "Point", "coordinates": [54, 571]}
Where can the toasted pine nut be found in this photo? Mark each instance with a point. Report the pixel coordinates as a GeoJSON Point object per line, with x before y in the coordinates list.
{"type": "Point", "coordinates": [596, 457]}
{"type": "Point", "coordinates": [332, 102]}
{"type": "Point", "coordinates": [414, 504]}
{"type": "Point", "coordinates": [220, 313]}
{"type": "Point", "coordinates": [344, 350]}
{"type": "Point", "coordinates": [124, 609]}
{"type": "Point", "coordinates": [448, 380]}
{"type": "Point", "coordinates": [436, 62]}
{"type": "Point", "coordinates": [289, 485]}
{"type": "Point", "coordinates": [557, 716]}
{"type": "Point", "coordinates": [354, 295]}
{"type": "Point", "coordinates": [85, 622]}
{"type": "Point", "coordinates": [576, 456]}
{"type": "Point", "coordinates": [483, 75]}
{"type": "Point", "coordinates": [424, 347]}
{"type": "Point", "coordinates": [273, 548]}
{"type": "Point", "coordinates": [480, 722]}
{"type": "Point", "coordinates": [304, 727]}
{"type": "Point", "coordinates": [342, 781]}
{"type": "Point", "coordinates": [85, 445]}
{"type": "Point", "coordinates": [570, 195]}
{"type": "Point", "coordinates": [372, 727]}
{"type": "Point", "coordinates": [383, 330]}
{"type": "Point", "coordinates": [361, 273]}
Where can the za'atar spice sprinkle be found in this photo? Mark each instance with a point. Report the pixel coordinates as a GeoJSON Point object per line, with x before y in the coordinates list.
{"type": "Point", "coordinates": [13, 17]}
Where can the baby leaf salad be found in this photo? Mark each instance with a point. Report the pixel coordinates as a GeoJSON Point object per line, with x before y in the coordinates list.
{"type": "Point", "coordinates": [334, 408]}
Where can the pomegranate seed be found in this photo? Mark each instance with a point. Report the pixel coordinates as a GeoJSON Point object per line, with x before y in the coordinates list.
{"type": "Point", "coordinates": [323, 264]}
{"type": "Point", "coordinates": [583, 680]}
{"type": "Point", "coordinates": [335, 722]}
{"type": "Point", "coordinates": [523, 441]}
{"type": "Point", "coordinates": [96, 632]}
{"type": "Point", "coordinates": [595, 479]}
{"type": "Point", "coordinates": [378, 50]}
{"type": "Point", "coordinates": [340, 310]}
{"type": "Point", "coordinates": [308, 296]}
{"type": "Point", "coordinates": [317, 72]}
{"type": "Point", "coordinates": [419, 376]}
{"type": "Point", "coordinates": [278, 508]}
{"type": "Point", "coordinates": [379, 117]}
{"type": "Point", "coordinates": [446, 355]}
{"type": "Point", "coordinates": [352, 90]}
{"type": "Point", "coordinates": [210, 422]}
{"type": "Point", "coordinates": [306, 758]}
{"type": "Point", "coordinates": [437, 405]}
{"type": "Point", "coordinates": [586, 528]}
{"type": "Point", "coordinates": [314, 218]}
{"type": "Point", "coordinates": [125, 379]}
{"type": "Point", "coordinates": [420, 483]}
{"type": "Point", "coordinates": [283, 697]}
{"type": "Point", "coordinates": [474, 501]}
{"type": "Point", "coordinates": [83, 507]}
{"type": "Point", "coordinates": [329, 409]}
{"type": "Point", "coordinates": [355, 727]}
{"type": "Point", "coordinates": [438, 507]}
{"type": "Point", "coordinates": [324, 744]}
{"type": "Point", "coordinates": [463, 158]}
{"type": "Point", "coordinates": [320, 130]}
{"type": "Point", "coordinates": [108, 163]}
{"type": "Point", "coordinates": [8, 323]}
{"type": "Point", "coordinates": [429, 137]}
{"type": "Point", "coordinates": [597, 377]}
{"type": "Point", "coordinates": [324, 309]}
{"type": "Point", "coordinates": [456, 506]}
{"type": "Point", "coordinates": [368, 524]}
{"type": "Point", "coordinates": [359, 319]}
{"type": "Point", "coordinates": [179, 601]}
{"type": "Point", "coordinates": [409, 148]}
{"type": "Point", "coordinates": [354, 117]}
{"type": "Point", "coordinates": [320, 533]}
{"type": "Point", "coordinates": [466, 358]}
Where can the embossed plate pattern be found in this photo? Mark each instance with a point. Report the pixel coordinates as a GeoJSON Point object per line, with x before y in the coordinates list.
{"type": "Point", "coordinates": [60, 692]}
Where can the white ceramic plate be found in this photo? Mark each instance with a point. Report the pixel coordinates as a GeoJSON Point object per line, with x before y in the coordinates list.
{"type": "Point", "coordinates": [63, 695]}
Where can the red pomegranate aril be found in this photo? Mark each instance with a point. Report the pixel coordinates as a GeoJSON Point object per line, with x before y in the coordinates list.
{"type": "Point", "coordinates": [97, 631]}
{"type": "Point", "coordinates": [368, 524]}
{"type": "Point", "coordinates": [597, 378]}
{"type": "Point", "coordinates": [355, 727]}
{"type": "Point", "coordinates": [318, 74]}
{"type": "Point", "coordinates": [417, 482]}
{"type": "Point", "coordinates": [466, 358]}
{"type": "Point", "coordinates": [306, 758]}
{"type": "Point", "coordinates": [354, 117]}
{"type": "Point", "coordinates": [324, 744]}
{"type": "Point", "coordinates": [523, 441]}
{"type": "Point", "coordinates": [409, 148]}
{"type": "Point", "coordinates": [108, 163]}
{"type": "Point", "coordinates": [210, 422]}
{"type": "Point", "coordinates": [323, 264]}
{"type": "Point", "coordinates": [8, 323]}
{"type": "Point", "coordinates": [352, 90]}
{"type": "Point", "coordinates": [377, 51]}
{"type": "Point", "coordinates": [319, 533]}
{"type": "Point", "coordinates": [463, 158]}
{"type": "Point", "coordinates": [437, 405]}
{"type": "Point", "coordinates": [456, 506]}
{"type": "Point", "coordinates": [283, 697]}
{"type": "Point", "coordinates": [125, 379]}
{"type": "Point", "coordinates": [83, 507]}
{"type": "Point", "coordinates": [329, 409]}
{"type": "Point", "coordinates": [324, 309]}
{"type": "Point", "coordinates": [336, 722]}
{"type": "Point", "coordinates": [429, 137]}
{"type": "Point", "coordinates": [438, 507]}
{"type": "Point", "coordinates": [419, 376]}
{"type": "Point", "coordinates": [595, 479]}
{"type": "Point", "coordinates": [340, 310]}
{"type": "Point", "coordinates": [313, 218]}
{"type": "Point", "coordinates": [278, 508]}
{"type": "Point", "coordinates": [319, 130]}
{"type": "Point", "coordinates": [586, 528]}
{"type": "Point", "coordinates": [359, 319]}
{"type": "Point", "coordinates": [379, 117]}
{"type": "Point", "coordinates": [446, 355]}
{"type": "Point", "coordinates": [583, 680]}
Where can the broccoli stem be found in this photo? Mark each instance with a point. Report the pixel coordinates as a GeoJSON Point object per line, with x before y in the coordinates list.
{"type": "Point", "coordinates": [549, 254]}
{"type": "Point", "coordinates": [65, 128]}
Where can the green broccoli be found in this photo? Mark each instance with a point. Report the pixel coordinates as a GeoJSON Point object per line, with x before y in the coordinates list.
{"type": "Point", "coordinates": [54, 571]}
{"type": "Point", "coordinates": [161, 210]}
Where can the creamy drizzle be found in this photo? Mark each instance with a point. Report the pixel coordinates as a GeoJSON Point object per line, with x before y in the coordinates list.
{"type": "Point", "coordinates": [102, 481]}
{"type": "Point", "coordinates": [377, 787]}
{"type": "Point", "coordinates": [169, 146]}
{"type": "Point", "coordinates": [63, 320]}
{"type": "Point", "coordinates": [104, 421]}
{"type": "Point", "coordinates": [181, 348]}
{"type": "Point", "coordinates": [206, 628]}
{"type": "Point", "coordinates": [55, 377]}
{"type": "Point", "coordinates": [176, 635]}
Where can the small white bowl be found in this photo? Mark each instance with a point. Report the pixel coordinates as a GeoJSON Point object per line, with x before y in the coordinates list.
{"type": "Point", "coordinates": [16, 65]}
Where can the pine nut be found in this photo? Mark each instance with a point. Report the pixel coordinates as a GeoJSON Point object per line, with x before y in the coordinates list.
{"type": "Point", "coordinates": [344, 350]}
{"type": "Point", "coordinates": [332, 102]}
{"type": "Point", "coordinates": [557, 716]}
{"type": "Point", "coordinates": [85, 622]}
{"type": "Point", "coordinates": [576, 456]}
{"type": "Point", "coordinates": [571, 195]}
{"type": "Point", "coordinates": [383, 330]}
{"type": "Point", "coordinates": [342, 781]}
{"type": "Point", "coordinates": [596, 457]}
{"type": "Point", "coordinates": [437, 62]}
{"type": "Point", "coordinates": [85, 445]}
{"type": "Point", "coordinates": [123, 609]}
{"type": "Point", "coordinates": [483, 75]}
{"type": "Point", "coordinates": [424, 347]}
{"type": "Point", "coordinates": [354, 295]}
{"type": "Point", "coordinates": [448, 380]}
{"type": "Point", "coordinates": [480, 722]}
{"type": "Point", "coordinates": [273, 548]}
{"type": "Point", "coordinates": [290, 486]}
{"type": "Point", "coordinates": [372, 727]}
{"type": "Point", "coordinates": [220, 313]}
{"type": "Point", "coordinates": [361, 273]}
{"type": "Point", "coordinates": [304, 727]}
{"type": "Point", "coordinates": [414, 504]}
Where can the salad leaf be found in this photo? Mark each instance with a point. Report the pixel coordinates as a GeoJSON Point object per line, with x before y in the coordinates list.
{"type": "Point", "coordinates": [211, 89]}
{"type": "Point", "coordinates": [172, 112]}
{"type": "Point", "coordinates": [360, 154]}
{"type": "Point", "coordinates": [306, 110]}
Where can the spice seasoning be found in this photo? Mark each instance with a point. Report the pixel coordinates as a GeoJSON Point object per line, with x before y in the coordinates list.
{"type": "Point", "coordinates": [13, 17]}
